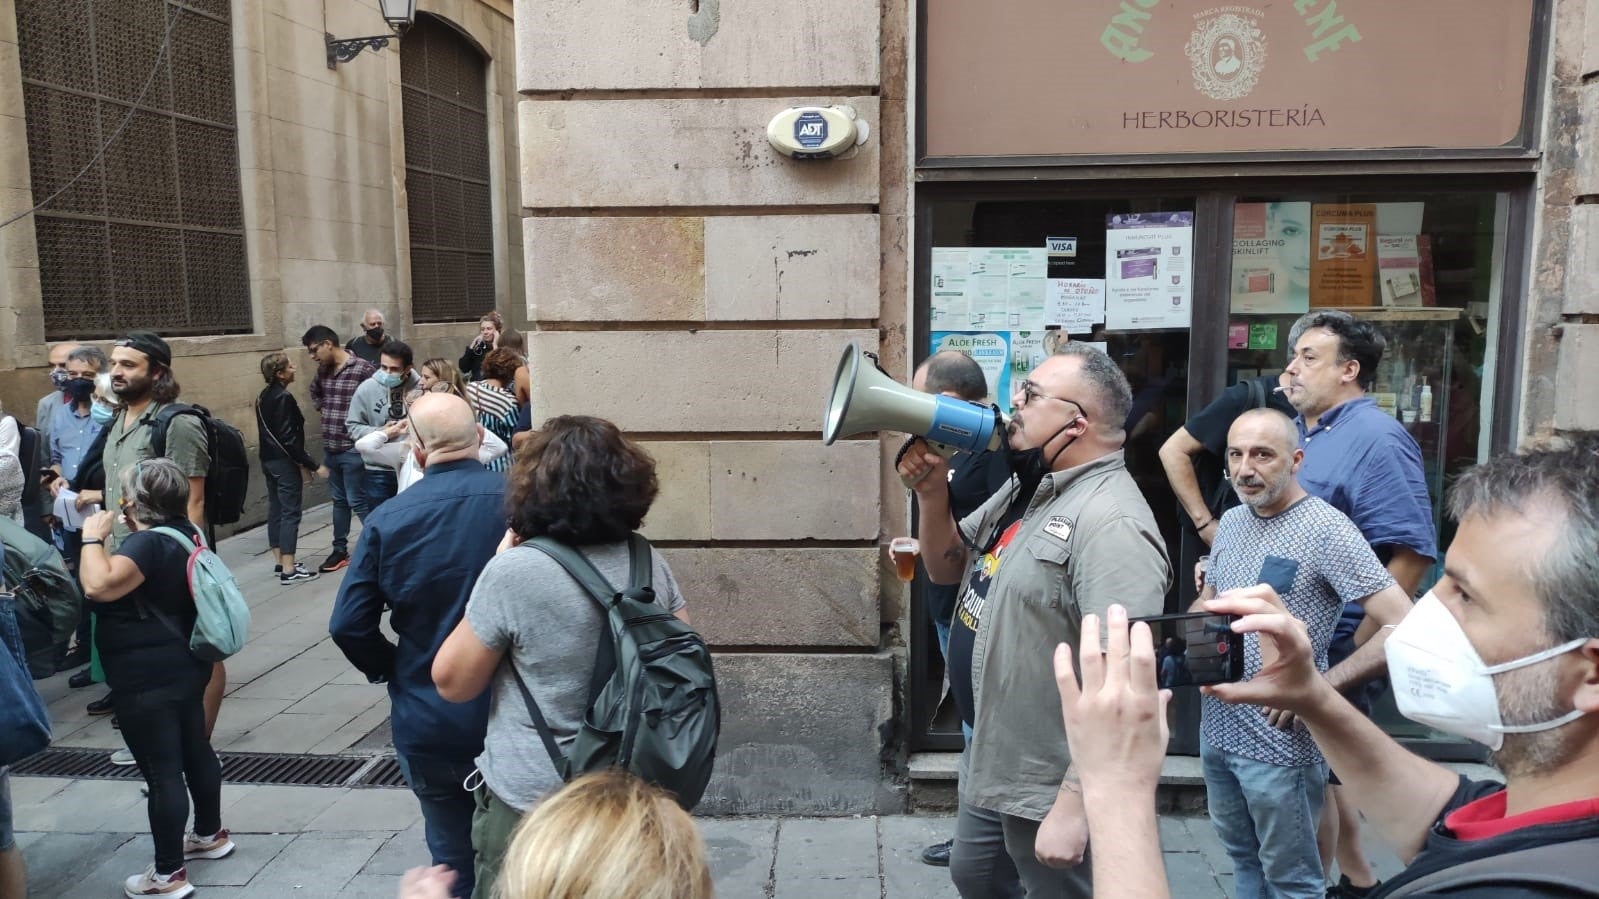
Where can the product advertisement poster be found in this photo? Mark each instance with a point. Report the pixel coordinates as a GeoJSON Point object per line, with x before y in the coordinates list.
{"type": "Point", "coordinates": [1399, 272]}
{"type": "Point", "coordinates": [990, 349]}
{"type": "Point", "coordinates": [1074, 304]}
{"type": "Point", "coordinates": [988, 288]}
{"type": "Point", "coordinates": [1343, 261]}
{"type": "Point", "coordinates": [1149, 270]}
{"type": "Point", "coordinates": [1271, 258]}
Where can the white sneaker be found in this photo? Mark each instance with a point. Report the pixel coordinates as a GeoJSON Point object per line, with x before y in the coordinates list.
{"type": "Point", "coordinates": [174, 885]}
{"type": "Point", "coordinates": [123, 757]}
{"type": "Point", "coordinates": [218, 845]}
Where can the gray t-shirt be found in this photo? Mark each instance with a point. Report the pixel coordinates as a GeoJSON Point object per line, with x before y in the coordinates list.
{"type": "Point", "coordinates": [526, 605]}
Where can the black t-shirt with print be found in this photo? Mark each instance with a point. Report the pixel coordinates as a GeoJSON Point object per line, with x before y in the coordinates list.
{"type": "Point", "coordinates": [969, 611]}
{"type": "Point", "coordinates": [140, 652]}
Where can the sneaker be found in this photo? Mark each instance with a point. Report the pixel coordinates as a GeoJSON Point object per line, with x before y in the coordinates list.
{"type": "Point", "coordinates": [150, 883]}
{"type": "Point", "coordinates": [123, 758]}
{"type": "Point", "coordinates": [1346, 890]}
{"type": "Point", "coordinates": [101, 706]}
{"type": "Point", "coordinates": [299, 575]}
{"type": "Point", "coordinates": [218, 845]}
{"type": "Point", "coordinates": [339, 559]}
{"type": "Point", "coordinates": [937, 854]}
{"type": "Point", "coordinates": [277, 569]}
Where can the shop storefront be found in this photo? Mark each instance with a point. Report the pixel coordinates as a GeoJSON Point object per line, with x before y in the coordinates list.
{"type": "Point", "coordinates": [1179, 181]}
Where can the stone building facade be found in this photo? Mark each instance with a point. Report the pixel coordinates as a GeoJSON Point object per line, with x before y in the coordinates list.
{"type": "Point", "coordinates": [320, 223]}
{"type": "Point", "coordinates": [677, 275]}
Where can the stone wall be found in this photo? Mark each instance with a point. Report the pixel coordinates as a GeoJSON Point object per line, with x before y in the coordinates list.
{"type": "Point", "coordinates": [322, 172]}
{"type": "Point", "coordinates": [694, 286]}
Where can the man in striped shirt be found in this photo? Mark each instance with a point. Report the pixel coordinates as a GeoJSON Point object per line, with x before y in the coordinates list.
{"type": "Point", "coordinates": [338, 374]}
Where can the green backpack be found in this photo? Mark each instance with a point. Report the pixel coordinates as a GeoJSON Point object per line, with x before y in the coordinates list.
{"type": "Point", "coordinates": [222, 617]}
{"type": "Point", "coordinates": [653, 708]}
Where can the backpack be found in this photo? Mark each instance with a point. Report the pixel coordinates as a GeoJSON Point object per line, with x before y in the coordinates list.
{"type": "Point", "coordinates": [1567, 868]}
{"type": "Point", "coordinates": [653, 708]}
{"type": "Point", "coordinates": [1222, 496]}
{"type": "Point", "coordinates": [48, 601]}
{"type": "Point", "coordinates": [30, 455]}
{"type": "Point", "coordinates": [227, 479]}
{"type": "Point", "coordinates": [222, 618]}
{"type": "Point", "coordinates": [24, 722]}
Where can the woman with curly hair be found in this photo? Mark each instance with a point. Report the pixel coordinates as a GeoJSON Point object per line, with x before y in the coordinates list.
{"type": "Point", "coordinates": [581, 483]}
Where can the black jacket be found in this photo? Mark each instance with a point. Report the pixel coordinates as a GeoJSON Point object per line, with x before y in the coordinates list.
{"type": "Point", "coordinates": [281, 428]}
{"type": "Point", "coordinates": [91, 472]}
{"type": "Point", "coordinates": [471, 361]}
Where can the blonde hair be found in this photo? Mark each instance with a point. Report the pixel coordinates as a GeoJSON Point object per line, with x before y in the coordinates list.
{"type": "Point", "coordinates": [445, 371]}
{"type": "Point", "coordinates": [606, 835]}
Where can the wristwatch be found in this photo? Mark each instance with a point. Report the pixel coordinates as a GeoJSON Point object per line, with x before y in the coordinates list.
{"type": "Point", "coordinates": [93, 541]}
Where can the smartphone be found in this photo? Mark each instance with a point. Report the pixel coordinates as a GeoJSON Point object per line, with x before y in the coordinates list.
{"type": "Point", "coordinates": [1195, 649]}
{"type": "Point", "coordinates": [46, 475]}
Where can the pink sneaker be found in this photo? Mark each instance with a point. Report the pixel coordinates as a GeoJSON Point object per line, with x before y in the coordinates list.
{"type": "Point", "coordinates": [175, 885]}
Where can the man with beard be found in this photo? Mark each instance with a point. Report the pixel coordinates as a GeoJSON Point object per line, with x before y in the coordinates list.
{"type": "Point", "coordinates": [1504, 651]}
{"type": "Point", "coordinates": [141, 377]}
{"type": "Point", "coordinates": [369, 345]}
{"type": "Point", "coordinates": [1265, 785]}
{"type": "Point", "coordinates": [1068, 536]}
{"type": "Point", "coordinates": [338, 374]}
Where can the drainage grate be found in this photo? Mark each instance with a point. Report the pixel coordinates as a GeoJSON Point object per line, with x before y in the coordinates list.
{"type": "Point", "coordinates": [237, 768]}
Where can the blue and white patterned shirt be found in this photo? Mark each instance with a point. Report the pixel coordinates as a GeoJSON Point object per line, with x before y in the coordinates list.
{"type": "Point", "coordinates": [1316, 560]}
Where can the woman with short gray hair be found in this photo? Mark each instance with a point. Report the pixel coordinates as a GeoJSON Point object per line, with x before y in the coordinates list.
{"type": "Point", "coordinates": [146, 613]}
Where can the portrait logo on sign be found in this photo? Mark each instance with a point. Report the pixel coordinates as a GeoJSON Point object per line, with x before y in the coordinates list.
{"type": "Point", "coordinates": [1227, 51]}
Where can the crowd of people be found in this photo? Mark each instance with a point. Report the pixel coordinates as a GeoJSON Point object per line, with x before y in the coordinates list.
{"type": "Point", "coordinates": [1311, 499]}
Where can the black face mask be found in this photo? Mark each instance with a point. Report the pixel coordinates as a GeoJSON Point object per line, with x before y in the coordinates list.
{"type": "Point", "coordinates": [79, 390]}
{"type": "Point", "coordinates": [1028, 465]}
{"type": "Point", "coordinates": [374, 334]}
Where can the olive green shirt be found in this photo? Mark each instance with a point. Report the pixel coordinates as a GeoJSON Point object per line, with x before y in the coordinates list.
{"type": "Point", "coordinates": [1086, 540]}
{"type": "Point", "coordinates": [129, 443]}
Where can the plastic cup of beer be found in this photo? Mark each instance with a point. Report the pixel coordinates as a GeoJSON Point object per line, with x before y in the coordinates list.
{"type": "Point", "coordinates": [903, 550]}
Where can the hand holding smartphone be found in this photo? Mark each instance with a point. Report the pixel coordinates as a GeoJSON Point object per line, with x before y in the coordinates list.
{"type": "Point", "coordinates": [1196, 648]}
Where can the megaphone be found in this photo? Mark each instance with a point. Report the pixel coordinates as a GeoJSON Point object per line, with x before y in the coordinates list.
{"type": "Point", "coordinates": [864, 398]}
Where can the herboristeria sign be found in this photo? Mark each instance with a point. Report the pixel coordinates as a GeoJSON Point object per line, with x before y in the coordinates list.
{"type": "Point", "coordinates": [1122, 77]}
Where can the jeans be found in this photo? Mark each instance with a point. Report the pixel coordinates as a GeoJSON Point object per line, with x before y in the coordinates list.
{"type": "Point", "coordinates": [347, 482]}
{"type": "Point", "coordinates": [447, 809]}
{"type": "Point", "coordinates": [978, 862]}
{"type": "Point", "coordinates": [1042, 881]}
{"type": "Point", "coordinates": [167, 738]}
{"type": "Point", "coordinates": [285, 485]}
{"type": "Point", "coordinates": [1265, 816]}
{"type": "Point", "coordinates": [381, 485]}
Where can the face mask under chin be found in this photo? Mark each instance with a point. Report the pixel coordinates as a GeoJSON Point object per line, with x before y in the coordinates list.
{"type": "Point", "coordinates": [1028, 465]}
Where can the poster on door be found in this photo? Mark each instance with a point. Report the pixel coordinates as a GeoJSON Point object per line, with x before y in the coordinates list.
{"type": "Point", "coordinates": [1149, 270]}
{"type": "Point", "coordinates": [988, 288]}
{"type": "Point", "coordinates": [1343, 255]}
{"type": "Point", "coordinates": [1271, 258]}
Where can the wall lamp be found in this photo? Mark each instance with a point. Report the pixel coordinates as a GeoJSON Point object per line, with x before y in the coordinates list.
{"type": "Point", "coordinates": [399, 14]}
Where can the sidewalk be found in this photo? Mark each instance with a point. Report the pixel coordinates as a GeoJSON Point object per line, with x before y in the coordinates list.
{"type": "Point", "coordinates": [291, 691]}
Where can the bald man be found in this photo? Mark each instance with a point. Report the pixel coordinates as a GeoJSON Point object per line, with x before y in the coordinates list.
{"type": "Point", "coordinates": [1264, 776]}
{"type": "Point", "coordinates": [418, 556]}
{"type": "Point", "coordinates": [370, 344]}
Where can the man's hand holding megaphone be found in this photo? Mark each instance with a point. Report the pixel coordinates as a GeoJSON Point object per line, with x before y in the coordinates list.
{"type": "Point", "coordinates": [923, 470]}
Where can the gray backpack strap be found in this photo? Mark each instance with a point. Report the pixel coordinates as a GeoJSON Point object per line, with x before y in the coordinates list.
{"type": "Point", "coordinates": [1572, 865]}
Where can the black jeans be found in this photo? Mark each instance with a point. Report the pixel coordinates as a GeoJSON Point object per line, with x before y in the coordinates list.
{"type": "Point", "coordinates": [166, 735]}
{"type": "Point", "coordinates": [284, 484]}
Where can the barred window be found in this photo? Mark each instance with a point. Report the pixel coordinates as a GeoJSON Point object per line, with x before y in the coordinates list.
{"type": "Point", "coordinates": [444, 83]}
{"type": "Point", "coordinates": [152, 235]}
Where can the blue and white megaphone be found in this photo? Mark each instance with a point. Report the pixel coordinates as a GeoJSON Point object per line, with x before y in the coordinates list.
{"type": "Point", "coordinates": [864, 398]}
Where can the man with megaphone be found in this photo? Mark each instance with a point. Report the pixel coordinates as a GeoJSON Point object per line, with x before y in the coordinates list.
{"type": "Point", "coordinates": [1070, 535]}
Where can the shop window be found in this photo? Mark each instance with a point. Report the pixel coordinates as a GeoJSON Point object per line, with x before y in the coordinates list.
{"type": "Point", "coordinates": [444, 85]}
{"type": "Point", "coordinates": [132, 243]}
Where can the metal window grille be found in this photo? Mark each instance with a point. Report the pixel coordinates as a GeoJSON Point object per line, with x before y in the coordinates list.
{"type": "Point", "coordinates": [445, 104]}
{"type": "Point", "coordinates": [152, 235]}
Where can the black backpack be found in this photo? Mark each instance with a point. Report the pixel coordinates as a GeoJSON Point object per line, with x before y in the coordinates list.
{"type": "Point", "coordinates": [227, 480]}
{"type": "Point", "coordinates": [653, 708]}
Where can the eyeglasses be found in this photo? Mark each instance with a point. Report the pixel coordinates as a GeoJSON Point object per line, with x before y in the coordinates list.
{"type": "Point", "coordinates": [1029, 392]}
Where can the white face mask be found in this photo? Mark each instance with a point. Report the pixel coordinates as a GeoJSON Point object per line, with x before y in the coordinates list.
{"type": "Point", "coordinates": [1440, 680]}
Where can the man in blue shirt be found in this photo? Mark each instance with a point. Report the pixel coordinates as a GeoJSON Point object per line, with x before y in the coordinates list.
{"type": "Point", "coordinates": [1365, 464]}
{"type": "Point", "coordinates": [418, 556]}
